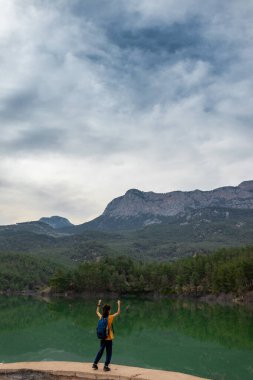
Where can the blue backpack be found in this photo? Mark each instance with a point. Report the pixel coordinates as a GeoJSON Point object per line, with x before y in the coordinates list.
{"type": "Point", "coordinates": [102, 328]}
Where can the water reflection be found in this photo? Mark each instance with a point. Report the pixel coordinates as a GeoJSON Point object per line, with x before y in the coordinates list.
{"type": "Point", "coordinates": [191, 337]}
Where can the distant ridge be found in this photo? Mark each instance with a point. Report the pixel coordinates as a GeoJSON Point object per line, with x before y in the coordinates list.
{"type": "Point", "coordinates": [143, 224]}
{"type": "Point", "coordinates": [56, 222]}
{"type": "Point", "coordinates": [137, 208]}
{"type": "Point", "coordinates": [136, 202]}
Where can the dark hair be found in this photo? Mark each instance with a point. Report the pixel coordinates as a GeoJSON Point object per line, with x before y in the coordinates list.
{"type": "Point", "coordinates": [106, 309]}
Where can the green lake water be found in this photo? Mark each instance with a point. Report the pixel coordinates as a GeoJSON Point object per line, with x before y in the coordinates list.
{"type": "Point", "coordinates": [212, 341]}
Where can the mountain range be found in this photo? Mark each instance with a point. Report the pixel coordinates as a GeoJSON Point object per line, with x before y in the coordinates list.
{"type": "Point", "coordinates": [138, 209]}
{"type": "Point", "coordinates": [143, 224]}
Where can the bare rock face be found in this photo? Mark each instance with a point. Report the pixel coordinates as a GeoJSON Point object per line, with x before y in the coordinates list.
{"type": "Point", "coordinates": [136, 203]}
{"type": "Point", "coordinates": [246, 185]}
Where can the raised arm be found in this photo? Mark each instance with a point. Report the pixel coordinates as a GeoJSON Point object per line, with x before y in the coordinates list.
{"type": "Point", "coordinates": [118, 312]}
{"type": "Point", "coordinates": [97, 311]}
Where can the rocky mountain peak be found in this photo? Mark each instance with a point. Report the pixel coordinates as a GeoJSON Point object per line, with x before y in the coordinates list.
{"type": "Point", "coordinates": [246, 185]}
{"type": "Point", "coordinates": [136, 203]}
{"type": "Point", "coordinates": [134, 192]}
{"type": "Point", "coordinates": [56, 221]}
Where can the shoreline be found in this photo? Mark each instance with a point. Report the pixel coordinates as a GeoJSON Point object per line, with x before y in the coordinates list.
{"type": "Point", "coordinates": [223, 299]}
{"type": "Point", "coordinates": [74, 371]}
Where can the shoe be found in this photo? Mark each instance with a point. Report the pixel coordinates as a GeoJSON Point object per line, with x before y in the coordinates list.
{"type": "Point", "coordinates": [94, 366]}
{"type": "Point", "coordinates": [106, 368]}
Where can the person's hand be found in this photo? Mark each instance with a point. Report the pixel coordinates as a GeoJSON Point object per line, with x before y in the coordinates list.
{"type": "Point", "coordinates": [118, 302]}
{"type": "Point", "coordinates": [99, 302]}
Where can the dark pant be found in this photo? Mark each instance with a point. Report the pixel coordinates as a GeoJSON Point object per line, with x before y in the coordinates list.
{"type": "Point", "coordinates": [108, 345]}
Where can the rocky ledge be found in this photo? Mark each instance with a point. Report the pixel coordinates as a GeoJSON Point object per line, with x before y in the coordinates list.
{"type": "Point", "coordinates": [78, 371]}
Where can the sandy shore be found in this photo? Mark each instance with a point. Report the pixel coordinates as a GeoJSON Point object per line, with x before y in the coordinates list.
{"type": "Point", "coordinates": [77, 371]}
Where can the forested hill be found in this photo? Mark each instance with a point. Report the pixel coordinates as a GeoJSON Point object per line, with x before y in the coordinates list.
{"type": "Point", "coordinates": [24, 272]}
{"type": "Point", "coordinates": [226, 271]}
{"type": "Point", "coordinates": [205, 231]}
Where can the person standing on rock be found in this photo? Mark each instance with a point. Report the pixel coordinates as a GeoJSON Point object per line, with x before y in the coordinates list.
{"type": "Point", "coordinates": [105, 334]}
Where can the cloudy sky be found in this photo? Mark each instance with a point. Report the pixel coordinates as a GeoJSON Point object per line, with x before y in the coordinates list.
{"type": "Point", "coordinates": [99, 96]}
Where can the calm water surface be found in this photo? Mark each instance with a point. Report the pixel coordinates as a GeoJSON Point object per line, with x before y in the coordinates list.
{"type": "Point", "coordinates": [212, 341]}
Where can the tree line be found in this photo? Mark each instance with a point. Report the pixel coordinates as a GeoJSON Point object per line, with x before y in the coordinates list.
{"type": "Point", "coordinates": [226, 271]}
{"type": "Point", "coordinates": [24, 272]}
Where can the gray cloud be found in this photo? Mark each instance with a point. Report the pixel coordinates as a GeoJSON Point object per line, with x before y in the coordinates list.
{"type": "Point", "coordinates": [18, 105]}
{"type": "Point", "coordinates": [39, 139]}
{"type": "Point", "coordinates": [124, 94]}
